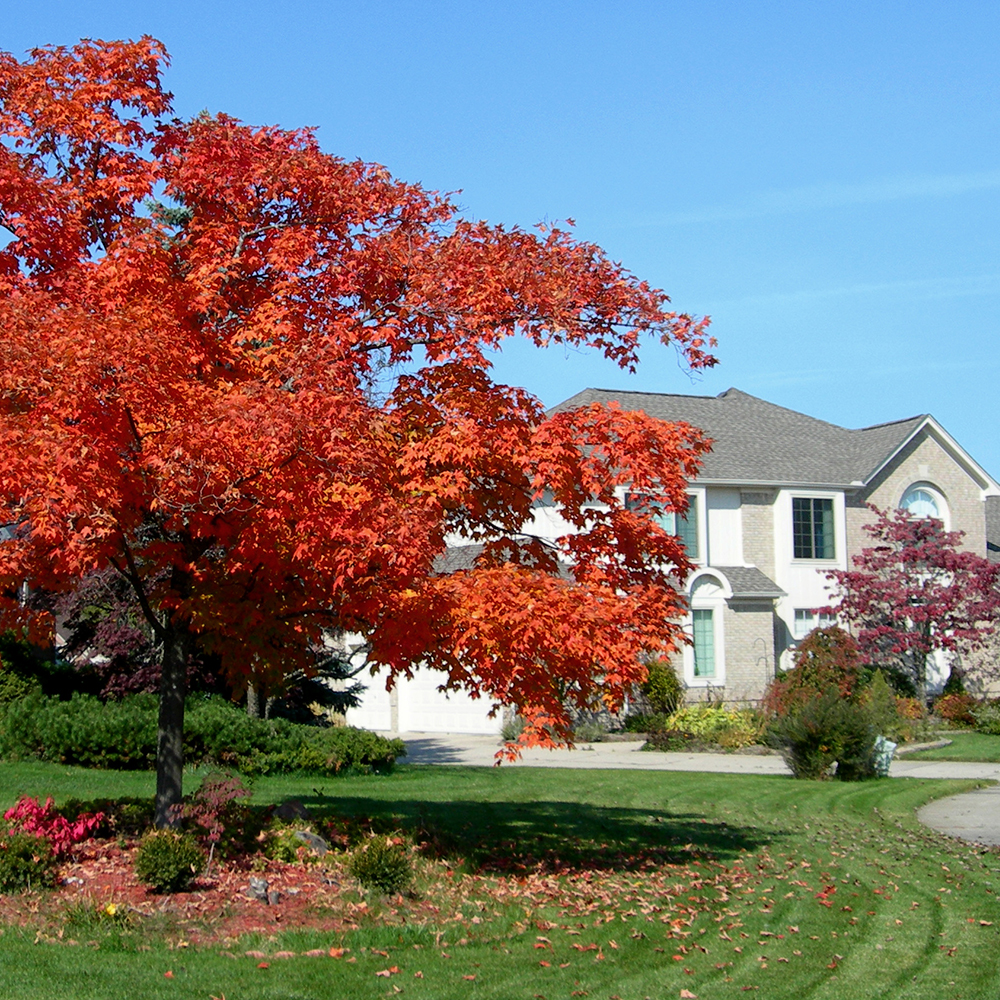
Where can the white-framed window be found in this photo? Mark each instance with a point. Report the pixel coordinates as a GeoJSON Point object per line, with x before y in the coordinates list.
{"type": "Point", "coordinates": [703, 642]}
{"type": "Point", "coordinates": [806, 619]}
{"type": "Point", "coordinates": [925, 500]}
{"type": "Point", "coordinates": [705, 656]}
{"type": "Point", "coordinates": [685, 526]}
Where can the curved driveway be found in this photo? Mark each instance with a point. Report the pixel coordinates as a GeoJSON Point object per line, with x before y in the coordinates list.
{"type": "Point", "coordinates": [972, 816]}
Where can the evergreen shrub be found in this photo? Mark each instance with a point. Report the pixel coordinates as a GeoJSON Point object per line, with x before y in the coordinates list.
{"type": "Point", "coordinates": [645, 722]}
{"type": "Point", "coordinates": [827, 729]}
{"type": "Point", "coordinates": [121, 735]}
{"type": "Point", "coordinates": [381, 865]}
{"type": "Point", "coordinates": [671, 741]}
{"type": "Point", "coordinates": [167, 861]}
{"type": "Point", "coordinates": [339, 749]}
{"type": "Point", "coordinates": [663, 689]}
{"type": "Point", "coordinates": [26, 862]}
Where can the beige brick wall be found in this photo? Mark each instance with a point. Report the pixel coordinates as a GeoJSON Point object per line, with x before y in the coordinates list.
{"type": "Point", "coordinates": [757, 508]}
{"type": "Point", "coordinates": [923, 461]}
{"type": "Point", "coordinates": [749, 649]}
{"type": "Point", "coordinates": [749, 631]}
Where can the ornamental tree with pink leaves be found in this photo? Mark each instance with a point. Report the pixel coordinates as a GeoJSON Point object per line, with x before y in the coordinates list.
{"type": "Point", "coordinates": [916, 591]}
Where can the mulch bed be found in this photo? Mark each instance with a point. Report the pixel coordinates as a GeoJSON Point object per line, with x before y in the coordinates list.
{"type": "Point", "coordinates": [217, 907]}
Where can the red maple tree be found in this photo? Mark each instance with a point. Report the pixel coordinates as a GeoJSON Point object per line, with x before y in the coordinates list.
{"type": "Point", "coordinates": [914, 592]}
{"type": "Point", "coordinates": [254, 379]}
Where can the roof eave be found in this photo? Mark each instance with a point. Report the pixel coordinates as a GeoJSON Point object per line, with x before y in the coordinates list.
{"type": "Point", "coordinates": [774, 484]}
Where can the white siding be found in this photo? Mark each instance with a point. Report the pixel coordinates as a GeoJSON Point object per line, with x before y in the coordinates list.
{"type": "Point", "coordinates": [725, 527]}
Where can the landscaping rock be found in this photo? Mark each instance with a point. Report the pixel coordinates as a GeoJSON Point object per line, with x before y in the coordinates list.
{"type": "Point", "coordinates": [313, 842]}
{"type": "Point", "coordinates": [292, 809]}
{"type": "Point", "coordinates": [257, 888]}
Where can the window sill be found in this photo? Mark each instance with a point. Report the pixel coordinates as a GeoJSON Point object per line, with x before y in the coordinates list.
{"type": "Point", "coordinates": [704, 682]}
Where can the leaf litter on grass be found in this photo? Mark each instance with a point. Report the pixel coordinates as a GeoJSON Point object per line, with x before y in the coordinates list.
{"type": "Point", "coordinates": [802, 911]}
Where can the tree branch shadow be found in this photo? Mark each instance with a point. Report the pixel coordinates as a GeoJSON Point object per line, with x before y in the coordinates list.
{"type": "Point", "coordinates": [547, 836]}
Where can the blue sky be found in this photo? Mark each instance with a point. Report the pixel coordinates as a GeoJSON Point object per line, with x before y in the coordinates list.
{"type": "Point", "coordinates": [823, 179]}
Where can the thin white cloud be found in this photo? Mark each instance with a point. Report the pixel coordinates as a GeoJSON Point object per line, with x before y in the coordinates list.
{"type": "Point", "coordinates": [821, 196]}
{"type": "Point", "coordinates": [860, 373]}
{"type": "Point", "coordinates": [914, 288]}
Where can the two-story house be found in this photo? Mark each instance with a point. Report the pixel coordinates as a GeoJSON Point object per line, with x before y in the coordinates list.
{"type": "Point", "coordinates": [781, 499]}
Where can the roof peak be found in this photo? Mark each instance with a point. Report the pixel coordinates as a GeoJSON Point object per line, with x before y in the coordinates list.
{"type": "Point", "coordinates": [903, 420]}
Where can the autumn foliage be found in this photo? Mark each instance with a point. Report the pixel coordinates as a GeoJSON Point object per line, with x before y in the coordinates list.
{"type": "Point", "coordinates": [914, 592]}
{"type": "Point", "coordinates": [254, 380]}
{"type": "Point", "coordinates": [826, 660]}
{"type": "Point", "coordinates": [30, 816]}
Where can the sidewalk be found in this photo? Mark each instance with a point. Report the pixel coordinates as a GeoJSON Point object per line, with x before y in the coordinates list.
{"type": "Point", "coordinates": [971, 816]}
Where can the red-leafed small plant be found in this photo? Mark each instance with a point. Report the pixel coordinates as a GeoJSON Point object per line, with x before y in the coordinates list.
{"type": "Point", "coordinates": [911, 708]}
{"type": "Point", "coordinates": [214, 808]}
{"type": "Point", "coordinates": [27, 815]}
{"type": "Point", "coordinates": [956, 708]}
{"type": "Point", "coordinates": [826, 659]}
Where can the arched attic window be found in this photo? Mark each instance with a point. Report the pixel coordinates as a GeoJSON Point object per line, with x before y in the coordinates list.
{"type": "Point", "coordinates": [924, 500]}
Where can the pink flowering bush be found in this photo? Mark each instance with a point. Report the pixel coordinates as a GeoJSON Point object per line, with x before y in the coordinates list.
{"type": "Point", "coordinates": [28, 816]}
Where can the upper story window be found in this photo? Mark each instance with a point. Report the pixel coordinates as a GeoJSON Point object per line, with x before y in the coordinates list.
{"type": "Point", "coordinates": [812, 528]}
{"type": "Point", "coordinates": [684, 526]}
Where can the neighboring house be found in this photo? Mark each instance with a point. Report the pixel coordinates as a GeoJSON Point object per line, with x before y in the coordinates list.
{"type": "Point", "coordinates": [781, 500]}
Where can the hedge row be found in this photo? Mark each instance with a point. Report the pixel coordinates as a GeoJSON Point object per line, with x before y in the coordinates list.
{"type": "Point", "coordinates": [121, 735]}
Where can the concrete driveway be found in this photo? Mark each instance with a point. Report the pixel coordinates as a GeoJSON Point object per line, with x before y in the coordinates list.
{"type": "Point", "coordinates": [973, 816]}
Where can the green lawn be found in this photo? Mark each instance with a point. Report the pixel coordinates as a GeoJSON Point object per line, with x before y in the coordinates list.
{"type": "Point", "coordinates": [715, 884]}
{"type": "Point", "coordinates": [966, 746]}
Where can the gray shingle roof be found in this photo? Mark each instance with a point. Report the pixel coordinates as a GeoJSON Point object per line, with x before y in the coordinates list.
{"type": "Point", "coordinates": [456, 558]}
{"type": "Point", "coordinates": [749, 582]}
{"type": "Point", "coordinates": [760, 442]}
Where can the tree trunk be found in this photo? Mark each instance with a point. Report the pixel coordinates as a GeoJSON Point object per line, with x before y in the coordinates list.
{"type": "Point", "coordinates": [170, 732]}
{"type": "Point", "coordinates": [253, 702]}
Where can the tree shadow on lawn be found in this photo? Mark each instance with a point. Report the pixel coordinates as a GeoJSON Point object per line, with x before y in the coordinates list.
{"type": "Point", "coordinates": [547, 836]}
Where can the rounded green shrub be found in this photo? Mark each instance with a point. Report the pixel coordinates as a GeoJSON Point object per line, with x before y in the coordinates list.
{"type": "Point", "coordinates": [663, 688]}
{"type": "Point", "coordinates": [381, 865]}
{"type": "Point", "coordinates": [168, 861]}
{"type": "Point", "coordinates": [26, 862]}
{"type": "Point", "coordinates": [987, 716]}
{"type": "Point", "coordinates": [645, 722]}
{"type": "Point", "coordinates": [823, 731]}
